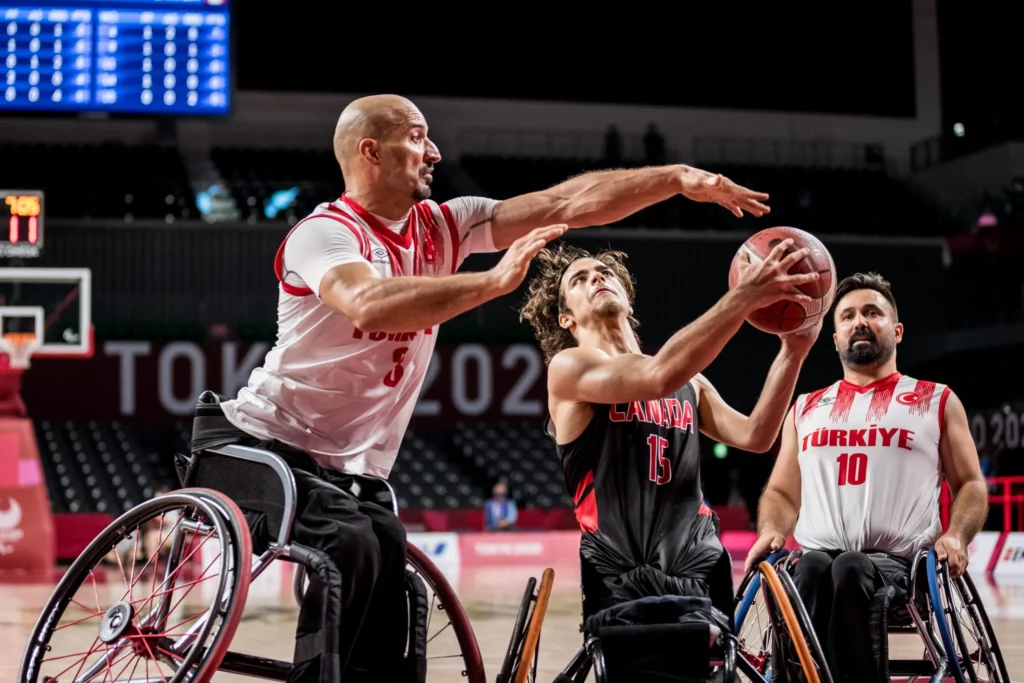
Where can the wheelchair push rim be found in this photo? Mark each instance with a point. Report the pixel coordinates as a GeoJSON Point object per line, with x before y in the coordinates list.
{"type": "Point", "coordinates": [444, 600]}
{"type": "Point", "coordinates": [138, 625]}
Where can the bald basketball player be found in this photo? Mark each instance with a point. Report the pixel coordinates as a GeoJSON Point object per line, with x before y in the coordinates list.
{"type": "Point", "coordinates": [365, 280]}
{"type": "Point", "coordinates": [857, 482]}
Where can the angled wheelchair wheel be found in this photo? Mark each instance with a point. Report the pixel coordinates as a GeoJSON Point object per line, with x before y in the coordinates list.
{"type": "Point", "coordinates": [771, 628]}
{"type": "Point", "coordinates": [169, 618]}
{"type": "Point", "coordinates": [520, 664]}
{"type": "Point", "coordinates": [973, 653]}
{"type": "Point", "coordinates": [444, 606]}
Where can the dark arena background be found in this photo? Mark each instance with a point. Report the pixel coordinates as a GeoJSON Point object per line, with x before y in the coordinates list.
{"type": "Point", "coordinates": [154, 155]}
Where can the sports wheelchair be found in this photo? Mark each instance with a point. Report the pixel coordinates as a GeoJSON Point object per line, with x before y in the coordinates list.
{"type": "Point", "coordinates": [143, 626]}
{"type": "Point", "coordinates": [652, 651]}
{"type": "Point", "coordinates": [947, 614]}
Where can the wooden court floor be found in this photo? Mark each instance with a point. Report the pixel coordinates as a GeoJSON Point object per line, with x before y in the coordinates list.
{"type": "Point", "coordinates": [491, 598]}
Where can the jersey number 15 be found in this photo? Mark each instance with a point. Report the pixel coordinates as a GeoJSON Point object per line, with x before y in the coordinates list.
{"type": "Point", "coordinates": [661, 467]}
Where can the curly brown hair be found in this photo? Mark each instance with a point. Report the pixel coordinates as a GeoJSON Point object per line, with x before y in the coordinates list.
{"type": "Point", "coordinates": [545, 301]}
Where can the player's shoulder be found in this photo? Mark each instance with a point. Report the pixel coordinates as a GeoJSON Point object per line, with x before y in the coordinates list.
{"type": "Point", "coordinates": [911, 391]}
{"type": "Point", "coordinates": [816, 395]}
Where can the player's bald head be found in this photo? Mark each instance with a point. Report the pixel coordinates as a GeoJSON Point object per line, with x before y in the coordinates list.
{"type": "Point", "coordinates": [372, 117]}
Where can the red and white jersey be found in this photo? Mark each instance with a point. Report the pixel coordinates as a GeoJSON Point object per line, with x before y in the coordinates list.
{"type": "Point", "coordinates": [327, 388]}
{"type": "Point", "coordinates": [869, 465]}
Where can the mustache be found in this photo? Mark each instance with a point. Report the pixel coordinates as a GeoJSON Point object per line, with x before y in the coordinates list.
{"type": "Point", "coordinates": [427, 169]}
{"type": "Point", "coordinates": [862, 334]}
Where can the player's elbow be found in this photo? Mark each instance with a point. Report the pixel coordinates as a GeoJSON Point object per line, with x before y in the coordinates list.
{"type": "Point", "coordinates": [759, 444]}
{"type": "Point", "coordinates": [358, 305]}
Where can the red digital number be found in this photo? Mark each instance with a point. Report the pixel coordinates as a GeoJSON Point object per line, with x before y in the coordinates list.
{"type": "Point", "coordinates": [395, 376]}
{"type": "Point", "coordinates": [661, 467]}
{"type": "Point", "coordinates": [853, 468]}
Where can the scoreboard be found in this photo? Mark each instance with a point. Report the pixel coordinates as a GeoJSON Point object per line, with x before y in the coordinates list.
{"type": "Point", "coordinates": [117, 56]}
{"type": "Point", "coordinates": [21, 232]}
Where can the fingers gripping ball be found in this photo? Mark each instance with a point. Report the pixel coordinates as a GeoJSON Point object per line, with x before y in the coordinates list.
{"type": "Point", "coordinates": [784, 317]}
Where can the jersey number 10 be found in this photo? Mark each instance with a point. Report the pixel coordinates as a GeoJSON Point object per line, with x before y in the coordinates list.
{"type": "Point", "coordinates": [661, 467]}
{"type": "Point", "coordinates": [853, 468]}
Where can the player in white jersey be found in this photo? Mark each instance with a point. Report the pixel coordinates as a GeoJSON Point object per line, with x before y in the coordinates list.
{"type": "Point", "coordinates": [857, 483]}
{"type": "Point", "coordinates": [364, 283]}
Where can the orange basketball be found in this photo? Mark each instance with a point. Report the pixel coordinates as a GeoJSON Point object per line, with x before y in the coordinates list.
{"type": "Point", "coordinates": [790, 316]}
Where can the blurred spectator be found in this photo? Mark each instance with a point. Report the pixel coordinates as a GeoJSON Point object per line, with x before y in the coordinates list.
{"type": "Point", "coordinates": [654, 146]}
{"type": "Point", "coordinates": [613, 146]}
{"type": "Point", "coordinates": [500, 512]}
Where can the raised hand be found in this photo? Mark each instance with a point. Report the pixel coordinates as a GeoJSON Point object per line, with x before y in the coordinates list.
{"type": "Point", "coordinates": [510, 271]}
{"type": "Point", "coordinates": [768, 281]}
{"type": "Point", "coordinates": [701, 186]}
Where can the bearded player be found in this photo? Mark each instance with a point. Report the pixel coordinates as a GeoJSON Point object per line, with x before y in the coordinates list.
{"type": "Point", "coordinates": [626, 424]}
{"type": "Point", "coordinates": [365, 280]}
{"type": "Point", "coordinates": [857, 482]}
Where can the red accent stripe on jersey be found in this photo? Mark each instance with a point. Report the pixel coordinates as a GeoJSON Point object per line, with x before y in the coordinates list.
{"type": "Point", "coordinates": [844, 401]}
{"type": "Point", "coordinates": [453, 234]}
{"type": "Point", "coordinates": [942, 409]}
{"type": "Point", "coordinates": [431, 233]}
{"type": "Point", "coordinates": [586, 504]}
{"type": "Point", "coordinates": [894, 377]}
{"type": "Point", "coordinates": [294, 290]}
{"type": "Point", "coordinates": [812, 402]}
{"type": "Point", "coordinates": [342, 217]}
{"type": "Point", "coordinates": [926, 390]}
{"type": "Point", "coordinates": [386, 236]}
{"type": "Point", "coordinates": [704, 510]}
{"type": "Point", "coordinates": [404, 241]}
{"type": "Point", "coordinates": [880, 400]}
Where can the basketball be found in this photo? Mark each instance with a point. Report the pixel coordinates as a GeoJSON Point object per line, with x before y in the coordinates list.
{"type": "Point", "coordinates": [784, 317]}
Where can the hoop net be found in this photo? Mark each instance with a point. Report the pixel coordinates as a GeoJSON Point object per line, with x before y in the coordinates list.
{"type": "Point", "coordinates": [18, 347]}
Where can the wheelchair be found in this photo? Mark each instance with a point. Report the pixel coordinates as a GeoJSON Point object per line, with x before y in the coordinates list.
{"type": "Point", "coordinates": [948, 616]}
{"type": "Point", "coordinates": [788, 644]}
{"type": "Point", "coordinates": [143, 626]}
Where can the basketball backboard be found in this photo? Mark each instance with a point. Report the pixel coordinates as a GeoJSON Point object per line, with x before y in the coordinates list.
{"type": "Point", "coordinates": [53, 304]}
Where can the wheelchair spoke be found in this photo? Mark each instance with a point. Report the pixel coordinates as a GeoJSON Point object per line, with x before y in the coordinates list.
{"type": "Point", "coordinates": [128, 628]}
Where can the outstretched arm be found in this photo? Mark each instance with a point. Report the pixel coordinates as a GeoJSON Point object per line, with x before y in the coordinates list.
{"type": "Point", "coordinates": [779, 506]}
{"type": "Point", "coordinates": [588, 375]}
{"type": "Point", "coordinates": [757, 432]}
{"type": "Point", "coordinates": [604, 197]}
{"type": "Point", "coordinates": [962, 469]}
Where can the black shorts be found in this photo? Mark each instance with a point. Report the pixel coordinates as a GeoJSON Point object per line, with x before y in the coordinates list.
{"type": "Point", "coordinates": [849, 597]}
{"type": "Point", "coordinates": [604, 590]}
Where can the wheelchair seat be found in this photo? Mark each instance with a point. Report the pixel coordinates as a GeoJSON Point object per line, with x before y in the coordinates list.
{"type": "Point", "coordinates": [642, 638]}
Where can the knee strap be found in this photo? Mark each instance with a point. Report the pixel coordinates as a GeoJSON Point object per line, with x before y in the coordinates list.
{"type": "Point", "coordinates": [879, 618]}
{"type": "Point", "coordinates": [325, 643]}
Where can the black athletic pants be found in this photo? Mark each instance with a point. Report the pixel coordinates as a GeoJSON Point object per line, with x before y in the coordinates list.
{"type": "Point", "coordinates": [367, 544]}
{"type": "Point", "coordinates": [838, 588]}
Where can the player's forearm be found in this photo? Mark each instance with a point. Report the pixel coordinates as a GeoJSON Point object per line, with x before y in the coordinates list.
{"type": "Point", "coordinates": [693, 348]}
{"type": "Point", "coordinates": [404, 304]}
{"type": "Point", "coordinates": [766, 419]}
{"type": "Point", "coordinates": [970, 507]}
{"type": "Point", "coordinates": [596, 198]}
{"type": "Point", "coordinates": [776, 513]}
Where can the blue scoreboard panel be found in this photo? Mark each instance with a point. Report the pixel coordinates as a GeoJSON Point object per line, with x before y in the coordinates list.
{"type": "Point", "coordinates": [117, 56]}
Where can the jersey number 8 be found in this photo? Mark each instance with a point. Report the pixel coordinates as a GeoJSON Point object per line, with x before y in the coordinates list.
{"type": "Point", "coordinates": [395, 376]}
{"type": "Point", "coordinates": [853, 468]}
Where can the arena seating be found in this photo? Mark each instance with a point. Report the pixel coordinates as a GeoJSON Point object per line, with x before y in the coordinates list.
{"type": "Point", "coordinates": [254, 175]}
{"type": "Point", "coordinates": [816, 199]}
{"type": "Point", "coordinates": [108, 180]}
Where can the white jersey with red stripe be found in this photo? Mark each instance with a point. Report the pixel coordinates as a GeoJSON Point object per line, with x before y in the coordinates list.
{"type": "Point", "coordinates": [870, 470]}
{"type": "Point", "coordinates": [343, 395]}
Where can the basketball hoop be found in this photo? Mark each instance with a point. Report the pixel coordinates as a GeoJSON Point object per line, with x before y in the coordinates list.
{"type": "Point", "coordinates": [18, 346]}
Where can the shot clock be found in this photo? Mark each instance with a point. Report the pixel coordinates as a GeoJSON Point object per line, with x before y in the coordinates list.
{"type": "Point", "coordinates": [21, 229]}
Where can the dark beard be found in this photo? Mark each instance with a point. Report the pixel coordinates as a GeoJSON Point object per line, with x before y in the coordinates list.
{"type": "Point", "coordinates": [874, 353]}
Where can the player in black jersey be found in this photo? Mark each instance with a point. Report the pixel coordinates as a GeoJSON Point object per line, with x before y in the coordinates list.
{"type": "Point", "coordinates": [625, 424]}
